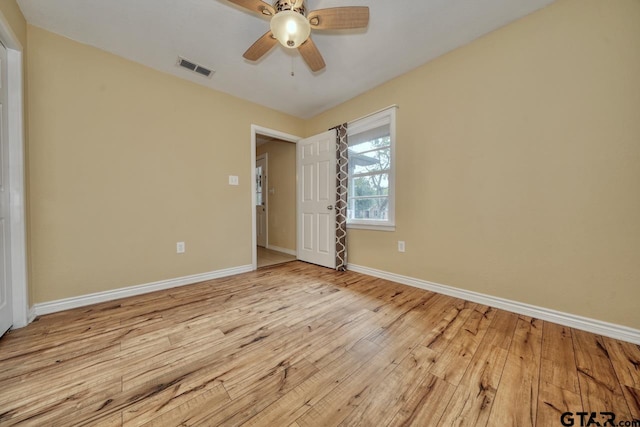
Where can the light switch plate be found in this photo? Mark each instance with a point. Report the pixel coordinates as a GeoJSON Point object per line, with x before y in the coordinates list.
{"type": "Point", "coordinates": [234, 180]}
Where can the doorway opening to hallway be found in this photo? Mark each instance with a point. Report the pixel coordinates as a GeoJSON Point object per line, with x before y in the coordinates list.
{"type": "Point", "coordinates": [275, 200]}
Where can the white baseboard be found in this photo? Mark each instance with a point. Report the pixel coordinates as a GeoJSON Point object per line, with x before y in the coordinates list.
{"type": "Point", "coordinates": [31, 315]}
{"type": "Point", "coordinates": [283, 250]}
{"type": "Point", "coordinates": [81, 301]}
{"type": "Point", "coordinates": [611, 330]}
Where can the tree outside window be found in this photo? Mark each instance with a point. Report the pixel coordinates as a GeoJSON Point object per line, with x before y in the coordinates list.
{"type": "Point", "coordinates": [369, 165]}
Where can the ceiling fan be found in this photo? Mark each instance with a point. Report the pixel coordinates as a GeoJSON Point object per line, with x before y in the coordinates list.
{"type": "Point", "coordinates": [291, 25]}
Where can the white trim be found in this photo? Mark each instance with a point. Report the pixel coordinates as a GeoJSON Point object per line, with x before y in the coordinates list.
{"type": "Point", "coordinates": [395, 106]}
{"type": "Point", "coordinates": [255, 129]}
{"type": "Point", "coordinates": [15, 124]}
{"type": "Point", "coordinates": [599, 327]}
{"type": "Point", "coordinates": [84, 300]}
{"type": "Point", "coordinates": [371, 227]}
{"type": "Point", "coordinates": [17, 197]}
{"type": "Point", "coordinates": [283, 250]}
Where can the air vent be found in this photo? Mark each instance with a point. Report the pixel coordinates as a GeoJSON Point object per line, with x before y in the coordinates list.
{"type": "Point", "coordinates": [196, 68]}
{"type": "Point", "coordinates": [204, 71]}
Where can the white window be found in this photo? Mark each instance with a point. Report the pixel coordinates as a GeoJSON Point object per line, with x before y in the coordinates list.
{"type": "Point", "coordinates": [371, 172]}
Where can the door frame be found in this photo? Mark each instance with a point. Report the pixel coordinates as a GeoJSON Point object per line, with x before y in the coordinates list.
{"type": "Point", "coordinates": [255, 129]}
{"type": "Point", "coordinates": [265, 196]}
{"type": "Point", "coordinates": [18, 244]}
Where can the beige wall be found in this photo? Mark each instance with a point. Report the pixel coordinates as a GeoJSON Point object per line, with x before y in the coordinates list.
{"type": "Point", "coordinates": [13, 15]}
{"type": "Point", "coordinates": [282, 202]}
{"type": "Point", "coordinates": [125, 162]}
{"type": "Point", "coordinates": [518, 163]}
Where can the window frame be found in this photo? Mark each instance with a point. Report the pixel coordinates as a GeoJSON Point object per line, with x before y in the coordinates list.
{"type": "Point", "coordinates": [362, 125]}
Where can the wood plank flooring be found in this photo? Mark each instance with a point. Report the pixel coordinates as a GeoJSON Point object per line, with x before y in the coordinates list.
{"type": "Point", "coordinates": [267, 257]}
{"type": "Point", "coordinates": [300, 345]}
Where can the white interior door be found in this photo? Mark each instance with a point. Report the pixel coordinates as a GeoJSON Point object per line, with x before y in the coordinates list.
{"type": "Point", "coordinates": [261, 200]}
{"type": "Point", "coordinates": [6, 315]}
{"type": "Point", "coordinates": [316, 199]}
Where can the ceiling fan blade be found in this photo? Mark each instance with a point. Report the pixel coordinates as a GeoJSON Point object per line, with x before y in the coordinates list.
{"type": "Point", "coordinates": [260, 47]}
{"type": "Point", "coordinates": [257, 6]}
{"type": "Point", "coordinates": [339, 18]}
{"type": "Point", "coordinates": [311, 55]}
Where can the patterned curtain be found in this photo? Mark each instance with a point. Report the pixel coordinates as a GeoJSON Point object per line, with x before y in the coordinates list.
{"type": "Point", "coordinates": [342, 177]}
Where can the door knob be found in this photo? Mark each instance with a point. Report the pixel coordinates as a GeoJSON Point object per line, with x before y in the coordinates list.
{"type": "Point", "coordinates": [330, 207]}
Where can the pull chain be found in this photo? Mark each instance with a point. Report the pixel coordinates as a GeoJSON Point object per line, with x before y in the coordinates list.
{"type": "Point", "coordinates": [292, 71]}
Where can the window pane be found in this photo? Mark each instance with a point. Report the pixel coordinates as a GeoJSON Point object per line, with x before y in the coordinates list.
{"type": "Point", "coordinates": [373, 161]}
{"type": "Point", "coordinates": [373, 185]}
{"type": "Point", "coordinates": [362, 145]}
{"type": "Point", "coordinates": [382, 132]}
{"type": "Point", "coordinates": [376, 208]}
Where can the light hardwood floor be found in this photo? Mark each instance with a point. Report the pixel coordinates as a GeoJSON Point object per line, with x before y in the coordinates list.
{"type": "Point", "coordinates": [267, 257]}
{"type": "Point", "coordinates": [299, 345]}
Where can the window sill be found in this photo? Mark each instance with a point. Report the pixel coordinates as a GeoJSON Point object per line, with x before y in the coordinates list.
{"type": "Point", "coordinates": [374, 227]}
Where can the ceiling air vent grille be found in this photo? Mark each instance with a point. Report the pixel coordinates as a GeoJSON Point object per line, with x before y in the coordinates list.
{"type": "Point", "coordinates": [196, 68]}
{"type": "Point", "coordinates": [204, 71]}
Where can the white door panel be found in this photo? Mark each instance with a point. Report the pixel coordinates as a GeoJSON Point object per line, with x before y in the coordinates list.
{"type": "Point", "coordinates": [316, 199]}
{"type": "Point", "coordinates": [307, 182]}
{"type": "Point", "coordinates": [325, 224]}
{"type": "Point", "coordinates": [307, 232]}
{"type": "Point", "coordinates": [325, 173]}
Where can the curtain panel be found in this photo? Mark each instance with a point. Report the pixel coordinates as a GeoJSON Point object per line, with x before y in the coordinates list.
{"type": "Point", "coordinates": [342, 179]}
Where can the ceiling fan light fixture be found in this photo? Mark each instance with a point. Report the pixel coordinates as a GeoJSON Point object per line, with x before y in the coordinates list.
{"type": "Point", "coordinates": [291, 28]}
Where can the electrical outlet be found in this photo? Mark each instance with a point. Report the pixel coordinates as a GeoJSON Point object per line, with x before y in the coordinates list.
{"type": "Point", "coordinates": [180, 248]}
{"type": "Point", "coordinates": [234, 180]}
{"type": "Point", "coordinates": [401, 247]}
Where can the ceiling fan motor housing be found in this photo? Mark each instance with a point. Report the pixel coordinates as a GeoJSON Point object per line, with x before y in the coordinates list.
{"type": "Point", "coordinates": [282, 5]}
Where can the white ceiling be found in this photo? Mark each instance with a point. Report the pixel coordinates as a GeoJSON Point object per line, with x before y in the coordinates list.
{"type": "Point", "coordinates": [215, 33]}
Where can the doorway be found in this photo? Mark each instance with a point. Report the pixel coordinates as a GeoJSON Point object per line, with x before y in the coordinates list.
{"type": "Point", "coordinates": [275, 200]}
{"type": "Point", "coordinates": [274, 197]}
